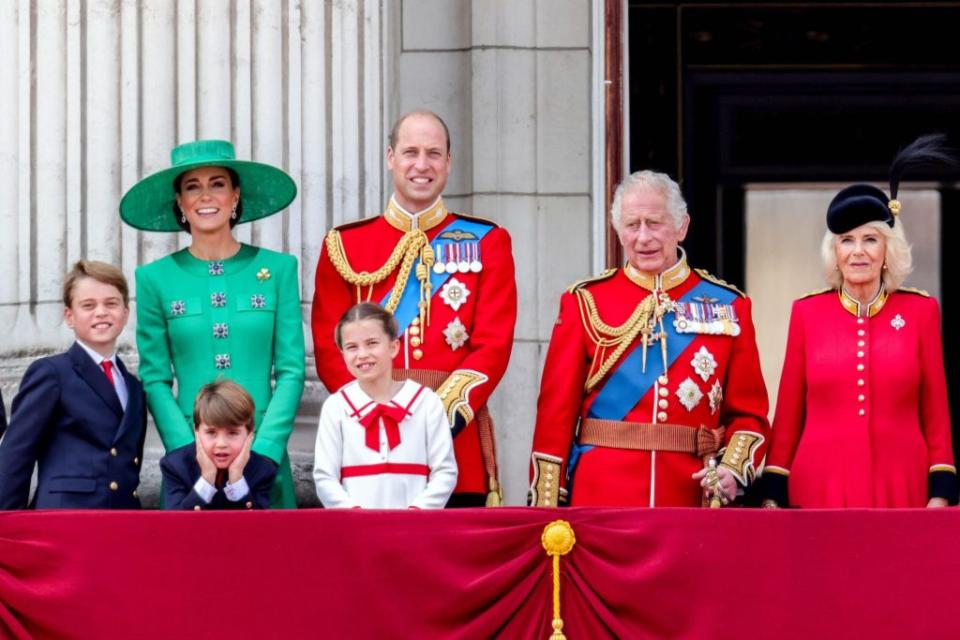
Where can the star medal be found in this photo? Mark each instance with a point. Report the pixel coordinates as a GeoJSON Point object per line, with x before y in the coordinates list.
{"type": "Point", "coordinates": [704, 363]}
{"type": "Point", "coordinates": [454, 293]}
{"type": "Point", "coordinates": [456, 334]}
{"type": "Point", "coordinates": [689, 394]}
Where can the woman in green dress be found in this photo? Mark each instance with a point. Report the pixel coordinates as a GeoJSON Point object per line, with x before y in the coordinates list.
{"type": "Point", "coordinates": [218, 308]}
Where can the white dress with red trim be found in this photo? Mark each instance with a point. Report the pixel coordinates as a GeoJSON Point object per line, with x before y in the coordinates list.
{"type": "Point", "coordinates": [384, 456]}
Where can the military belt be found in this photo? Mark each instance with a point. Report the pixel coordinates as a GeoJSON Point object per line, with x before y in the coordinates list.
{"type": "Point", "coordinates": [646, 436]}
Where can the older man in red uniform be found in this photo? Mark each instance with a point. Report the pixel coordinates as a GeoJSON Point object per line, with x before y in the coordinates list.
{"type": "Point", "coordinates": [449, 280]}
{"type": "Point", "coordinates": [652, 375]}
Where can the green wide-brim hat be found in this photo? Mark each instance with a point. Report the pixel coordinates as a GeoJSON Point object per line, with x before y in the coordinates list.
{"type": "Point", "coordinates": [264, 189]}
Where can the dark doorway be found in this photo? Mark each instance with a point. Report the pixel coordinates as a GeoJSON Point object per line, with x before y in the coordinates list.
{"type": "Point", "coordinates": [724, 94]}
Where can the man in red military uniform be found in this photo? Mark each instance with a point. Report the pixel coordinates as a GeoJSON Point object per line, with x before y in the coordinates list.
{"type": "Point", "coordinates": [652, 374]}
{"type": "Point", "coordinates": [449, 280]}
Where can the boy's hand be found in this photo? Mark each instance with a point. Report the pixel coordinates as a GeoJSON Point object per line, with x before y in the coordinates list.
{"type": "Point", "coordinates": [208, 470]}
{"type": "Point", "coordinates": [240, 462]}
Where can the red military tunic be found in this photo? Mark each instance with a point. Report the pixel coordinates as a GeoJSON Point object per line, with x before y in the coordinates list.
{"type": "Point", "coordinates": [714, 381]}
{"type": "Point", "coordinates": [862, 417]}
{"type": "Point", "coordinates": [469, 328]}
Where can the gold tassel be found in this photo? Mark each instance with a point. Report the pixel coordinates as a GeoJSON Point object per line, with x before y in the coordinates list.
{"type": "Point", "coordinates": [558, 540]}
{"type": "Point", "coordinates": [494, 496]}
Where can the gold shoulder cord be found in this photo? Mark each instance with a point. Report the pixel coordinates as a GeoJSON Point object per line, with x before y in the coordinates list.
{"type": "Point", "coordinates": [605, 336]}
{"type": "Point", "coordinates": [414, 243]}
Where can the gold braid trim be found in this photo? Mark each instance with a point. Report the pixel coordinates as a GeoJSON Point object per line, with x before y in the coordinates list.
{"type": "Point", "coordinates": [404, 254]}
{"type": "Point", "coordinates": [605, 336]}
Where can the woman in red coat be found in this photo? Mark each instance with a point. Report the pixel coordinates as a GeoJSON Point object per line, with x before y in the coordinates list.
{"type": "Point", "coordinates": [862, 418]}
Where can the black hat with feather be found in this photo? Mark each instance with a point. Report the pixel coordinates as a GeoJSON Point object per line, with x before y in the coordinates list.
{"type": "Point", "coordinates": [862, 203]}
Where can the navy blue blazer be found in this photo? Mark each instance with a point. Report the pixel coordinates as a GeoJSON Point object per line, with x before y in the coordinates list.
{"type": "Point", "coordinates": [68, 420]}
{"type": "Point", "coordinates": [181, 471]}
{"type": "Point", "coordinates": [3, 416]}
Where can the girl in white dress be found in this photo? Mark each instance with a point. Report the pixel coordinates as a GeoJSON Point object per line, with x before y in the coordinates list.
{"type": "Point", "coordinates": [381, 443]}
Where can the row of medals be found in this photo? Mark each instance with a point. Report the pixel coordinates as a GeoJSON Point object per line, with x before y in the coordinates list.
{"type": "Point", "coordinates": [463, 258]}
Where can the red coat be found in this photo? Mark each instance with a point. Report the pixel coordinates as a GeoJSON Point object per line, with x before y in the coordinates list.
{"type": "Point", "coordinates": [862, 416]}
{"type": "Point", "coordinates": [488, 315]}
{"type": "Point", "coordinates": [629, 477]}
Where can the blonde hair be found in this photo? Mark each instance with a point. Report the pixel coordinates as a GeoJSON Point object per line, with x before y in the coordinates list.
{"type": "Point", "coordinates": [898, 259]}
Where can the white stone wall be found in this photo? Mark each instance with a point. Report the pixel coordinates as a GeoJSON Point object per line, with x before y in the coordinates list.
{"type": "Point", "coordinates": [95, 93]}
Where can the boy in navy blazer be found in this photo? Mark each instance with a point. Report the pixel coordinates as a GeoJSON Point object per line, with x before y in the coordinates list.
{"type": "Point", "coordinates": [80, 416]}
{"type": "Point", "coordinates": [219, 471]}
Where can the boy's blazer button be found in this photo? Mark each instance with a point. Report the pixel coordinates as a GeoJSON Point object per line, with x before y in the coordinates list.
{"type": "Point", "coordinates": [136, 461]}
{"type": "Point", "coordinates": [135, 494]}
{"type": "Point", "coordinates": [249, 505]}
{"type": "Point", "coordinates": [196, 508]}
{"type": "Point", "coordinates": [114, 486]}
{"type": "Point", "coordinates": [113, 451]}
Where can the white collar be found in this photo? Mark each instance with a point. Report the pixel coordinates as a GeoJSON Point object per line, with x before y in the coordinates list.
{"type": "Point", "coordinates": [95, 356]}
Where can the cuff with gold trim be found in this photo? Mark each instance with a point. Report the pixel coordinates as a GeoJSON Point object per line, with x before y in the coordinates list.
{"type": "Point", "coordinates": [545, 490]}
{"type": "Point", "coordinates": [738, 456]}
{"type": "Point", "coordinates": [455, 393]}
{"type": "Point", "coordinates": [943, 483]}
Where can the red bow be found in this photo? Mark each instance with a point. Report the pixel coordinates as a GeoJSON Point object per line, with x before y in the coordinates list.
{"type": "Point", "coordinates": [392, 416]}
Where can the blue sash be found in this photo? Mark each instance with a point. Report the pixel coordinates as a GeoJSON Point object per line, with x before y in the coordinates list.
{"type": "Point", "coordinates": [627, 385]}
{"type": "Point", "coordinates": [408, 308]}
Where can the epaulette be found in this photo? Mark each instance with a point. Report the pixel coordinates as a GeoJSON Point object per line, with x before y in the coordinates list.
{"type": "Point", "coordinates": [816, 292]}
{"type": "Point", "coordinates": [476, 219]}
{"type": "Point", "coordinates": [582, 283]}
{"type": "Point", "coordinates": [356, 223]}
{"type": "Point", "coordinates": [703, 273]}
{"type": "Point", "coordinates": [919, 292]}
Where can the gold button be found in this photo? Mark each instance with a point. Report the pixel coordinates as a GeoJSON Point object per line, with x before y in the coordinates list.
{"type": "Point", "coordinates": [662, 380]}
{"type": "Point", "coordinates": [663, 403]}
{"type": "Point", "coordinates": [662, 416]}
{"type": "Point", "coordinates": [249, 505]}
{"type": "Point", "coordinates": [136, 461]}
{"type": "Point", "coordinates": [861, 397]}
{"type": "Point", "coordinates": [135, 494]}
{"type": "Point", "coordinates": [862, 412]}
{"type": "Point", "coordinates": [861, 343]}
{"type": "Point", "coordinates": [664, 392]}
{"type": "Point", "coordinates": [860, 382]}
{"type": "Point", "coordinates": [113, 451]}
{"type": "Point", "coordinates": [415, 321]}
{"type": "Point", "coordinates": [414, 331]}
{"type": "Point", "coordinates": [114, 486]}
{"type": "Point", "coordinates": [860, 367]}
{"type": "Point", "coordinates": [415, 341]}
{"type": "Point", "coordinates": [417, 354]}
{"type": "Point", "coordinates": [861, 332]}
{"type": "Point", "coordinates": [196, 507]}
{"type": "Point", "coordinates": [859, 354]}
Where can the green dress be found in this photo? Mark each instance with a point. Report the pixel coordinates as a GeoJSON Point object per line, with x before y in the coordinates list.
{"type": "Point", "coordinates": [238, 318]}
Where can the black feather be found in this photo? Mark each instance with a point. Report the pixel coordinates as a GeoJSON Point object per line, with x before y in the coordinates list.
{"type": "Point", "coordinates": [926, 152]}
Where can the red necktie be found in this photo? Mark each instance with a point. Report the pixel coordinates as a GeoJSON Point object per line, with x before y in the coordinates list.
{"type": "Point", "coordinates": [108, 369]}
{"type": "Point", "coordinates": [392, 416]}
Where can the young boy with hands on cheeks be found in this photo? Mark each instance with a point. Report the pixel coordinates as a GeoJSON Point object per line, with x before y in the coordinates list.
{"type": "Point", "coordinates": [219, 471]}
{"type": "Point", "coordinates": [381, 443]}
